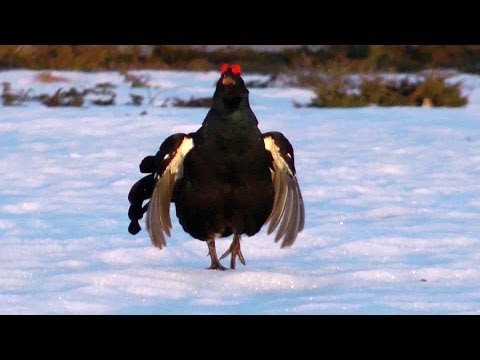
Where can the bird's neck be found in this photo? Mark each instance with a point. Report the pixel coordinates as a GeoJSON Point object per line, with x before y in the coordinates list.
{"type": "Point", "coordinates": [231, 105]}
{"type": "Point", "coordinates": [229, 120]}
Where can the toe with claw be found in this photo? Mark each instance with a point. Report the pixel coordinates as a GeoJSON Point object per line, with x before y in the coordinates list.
{"type": "Point", "coordinates": [235, 251]}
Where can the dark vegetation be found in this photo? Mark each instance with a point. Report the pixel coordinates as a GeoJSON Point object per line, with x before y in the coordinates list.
{"type": "Point", "coordinates": [71, 97]}
{"type": "Point", "coordinates": [205, 102]}
{"type": "Point", "coordinates": [136, 100]}
{"type": "Point", "coordinates": [324, 69]}
{"type": "Point", "coordinates": [354, 58]}
{"type": "Point", "coordinates": [102, 94]}
{"type": "Point", "coordinates": [427, 90]}
{"type": "Point", "coordinates": [13, 98]}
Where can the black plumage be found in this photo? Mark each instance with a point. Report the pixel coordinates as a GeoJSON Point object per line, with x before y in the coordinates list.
{"type": "Point", "coordinates": [226, 178]}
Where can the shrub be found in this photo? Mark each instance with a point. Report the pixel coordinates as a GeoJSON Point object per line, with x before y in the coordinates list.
{"type": "Point", "coordinates": [337, 91]}
{"type": "Point", "coordinates": [10, 98]}
{"type": "Point", "coordinates": [137, 81]}
{"type": "Point", "coordinates": [431, 89]}
{"type": "Point", "coordinates": [193, 102]}
{"type": "Point", "coordinates": [400, 58]}
{"type": "Point", "coordinates": [105, 86]}
{"type": "Point", "coordinates": [436, 88]}
{"type": "Point", "coordinates": [105, 102]}
{"type": "Point", "coordinates": [71, 97]}
{"type": "Point", "coordinates": [136, 100]}
{"type": "Point", "coordinates": [105, 95]}
{"type": "Point", "coordinates": [383, 92]}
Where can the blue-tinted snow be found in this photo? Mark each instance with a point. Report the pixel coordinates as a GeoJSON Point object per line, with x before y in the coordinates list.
{"type": "Point", "coordinates": [392, 201]}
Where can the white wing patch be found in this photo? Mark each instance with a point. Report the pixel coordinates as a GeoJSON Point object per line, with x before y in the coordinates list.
{"type": "Point", "coordinates": [158, 214]}
{"type": "Point", "coordinates": [288, 210]}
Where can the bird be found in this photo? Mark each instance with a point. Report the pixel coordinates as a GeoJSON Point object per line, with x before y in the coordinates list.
{"type": "Point", "coordinates": [227, 178]}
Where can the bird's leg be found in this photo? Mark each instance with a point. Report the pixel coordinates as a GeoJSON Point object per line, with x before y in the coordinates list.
{"type": "Point", "coordinates": [234, 249]}
{"type": "Point", "coordinates": [213, 256]}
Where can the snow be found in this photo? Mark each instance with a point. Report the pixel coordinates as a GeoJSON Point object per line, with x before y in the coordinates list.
{"type": "Point", "coordinates": [391, 194]}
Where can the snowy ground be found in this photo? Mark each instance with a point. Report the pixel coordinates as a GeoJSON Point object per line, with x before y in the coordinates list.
{"type": "Point", "coordinates": [392, 201]}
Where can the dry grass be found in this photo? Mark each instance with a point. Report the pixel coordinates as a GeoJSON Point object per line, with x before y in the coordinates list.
{"type": "Point", "coordinates": [48, 78]}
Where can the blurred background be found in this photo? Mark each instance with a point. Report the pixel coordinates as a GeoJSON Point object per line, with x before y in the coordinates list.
{"type": "Point", "coordinates": [257, 58]}
{"type": "Point", "coordinates": [325, 69]}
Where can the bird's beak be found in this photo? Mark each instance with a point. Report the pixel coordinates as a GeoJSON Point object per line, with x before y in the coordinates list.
{"type": "Point", "coordinates": [228, 81]}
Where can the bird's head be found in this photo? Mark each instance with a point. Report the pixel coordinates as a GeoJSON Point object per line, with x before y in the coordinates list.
{"type": "Point", "coordinates": [231, 85]}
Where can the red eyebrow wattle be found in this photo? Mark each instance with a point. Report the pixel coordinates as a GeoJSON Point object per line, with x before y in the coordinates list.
{"type": "Point", "coordinates": [236, 69]}
{"type": "Point", "coordinates": [224, 68]}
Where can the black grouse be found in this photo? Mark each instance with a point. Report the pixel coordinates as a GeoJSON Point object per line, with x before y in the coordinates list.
{"type": "Point", "coordinates": [226, 178]}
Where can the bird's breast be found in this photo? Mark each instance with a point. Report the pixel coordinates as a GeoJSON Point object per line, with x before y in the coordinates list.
{"type": "Point", "coordinates": [228, 159]}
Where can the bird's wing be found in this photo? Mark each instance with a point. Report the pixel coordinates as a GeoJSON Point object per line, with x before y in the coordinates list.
{"type": "Point", "coordinates": [288, 212]}
{"type": "Point", "coordinates": [169, 168]}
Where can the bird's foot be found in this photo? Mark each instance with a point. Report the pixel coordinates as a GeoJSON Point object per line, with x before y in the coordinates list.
{"type": "Point", "coordinates": [217, 266]}
{"type": "Point", "coordinates": [235, 250]}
